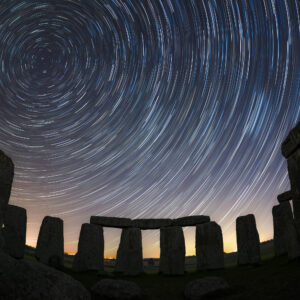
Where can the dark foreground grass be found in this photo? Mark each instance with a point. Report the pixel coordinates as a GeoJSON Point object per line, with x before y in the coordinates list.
{"type": "Point", "coordinates": [275, 278]}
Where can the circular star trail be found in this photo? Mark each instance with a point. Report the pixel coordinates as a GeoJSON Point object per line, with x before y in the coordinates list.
{"type": "Point", "coordinates": [148, 109]}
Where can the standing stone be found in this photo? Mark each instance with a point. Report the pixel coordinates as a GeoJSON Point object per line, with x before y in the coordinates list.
{"type": "Point", "coordinates": [6, 179]}
{"type": "Point", "coordinates": [90, 254]}
{"type": "Point", "coordinates": [172, 250]}
{"type": "Point", "coordinates": [293, 163]}
{"type": "Point", "coordinates": [290, 149]}
{"type": "Point", "coordinates": [209, 246]}
{"type": "Point", "coordinates": [14, 231]}
{"type": "Point", "coordinates": [293, 243]}
{"type": "Point", "coordinates": [130, 254]}
{"type": "Point", "coordinates": [282, 214]}
{"type": "Point", "coordinates": [247, 240]}
{"type": "Point", "coordinates": [50, 244]}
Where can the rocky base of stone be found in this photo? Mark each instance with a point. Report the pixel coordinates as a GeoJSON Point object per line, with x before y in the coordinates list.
{"type": "Point", "coordinates": [28, 280]}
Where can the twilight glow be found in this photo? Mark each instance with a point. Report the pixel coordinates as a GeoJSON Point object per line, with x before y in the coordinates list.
{"type": "Point", "coordinates": [149, 108]}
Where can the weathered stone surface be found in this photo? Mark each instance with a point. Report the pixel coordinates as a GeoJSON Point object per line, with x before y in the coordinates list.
{"type": "Point", "coordinates": [50, 244]}
{"type": "Point", "coordinates": [209, 246]}
{"type": "Point", "coordinates": [151, 223]}
{"type": "Point", "coordinates": [130, 254]}
{"type": "Point", "coordinates": [190, 221]}
{"type": "Point", "coordinates": [146, 224]}
{"type": "Point", "coordinates": [6, 179]}
{"type": "Point", "coordinates": [292, 141]}
{"type": "Point", "coordinates": [29, 280]}
{"type": "Point", "coordinates": [199, 288]}
{"type": "Point", "coordinates": [111, 222]}
{"type": "Point", "coordinates": [293, 164]}
{"type": "Point", "coordinates": [286, 196]}
{"type": "Point", "coordinates": [113, 289]}
{"type": "Point", "coordinates": [293, 245]}
{"type": "Point", "coordinates": [90, 254]}
{"type": "Point", "coordinates": [172, 251]}
{"type": "Point", "coordinates": [247, 240]}
{"type": "Point", "coordinates": [282, 214]}
{"type": "Point", "coordinates": [14, 231]}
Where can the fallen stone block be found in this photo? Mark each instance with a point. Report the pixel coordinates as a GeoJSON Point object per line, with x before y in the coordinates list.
{"type": "Point", "coordinates": [114, 289]}
{"type": "Point", "coordinates": [30, 280]}
{"type": "Point", "coordinates": [199, 288]}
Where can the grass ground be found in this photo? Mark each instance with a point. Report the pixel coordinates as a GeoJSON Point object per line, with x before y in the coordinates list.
{"type": "Point", "coordinates": [274, 278]}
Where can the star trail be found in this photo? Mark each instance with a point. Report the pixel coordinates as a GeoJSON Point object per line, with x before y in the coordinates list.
{"type": "Point", "coordinates": [150, 108]}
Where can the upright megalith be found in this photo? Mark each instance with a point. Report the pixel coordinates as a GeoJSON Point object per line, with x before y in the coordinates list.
{"type": "Point", "coordinates": [291, 151]}
{"type": "Point", "coordinates": [172, 250]}
{"type": "Point", "coordinates": [50, 244]}
{"type": "Point", "coordinates": [6, 179]}
{"type": "Point", "coordinates": [293, 240]}
{"type": "Point", "coordinates": [130, 253]}
{"type": "Point", "coordinates": [90, 254]}
{"type": "Point", "coordinates": [247, 240]}
{"type": "Point", "coordinates": [209, 246]}
{"type": "Point", "coordinates": [282, 215]}
{"type": "Point", "coordinates": [14, 231]}
{"type": "Point", "coordinates": [293, 164]}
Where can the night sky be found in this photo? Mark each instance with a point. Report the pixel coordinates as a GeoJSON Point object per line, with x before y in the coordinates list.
{"type": "Point", "coordinates": [148, 108]}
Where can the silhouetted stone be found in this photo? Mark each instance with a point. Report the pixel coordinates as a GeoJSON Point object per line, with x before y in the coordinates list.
{"type": "Point", "coordinates": [113, 289]}
{"type": "Point", "coordinates": [282, 214]}
{"type": "Point", "coordinates": [291, 150]}
{"type": "Point", "coordinates": [292, 141]}
{"type": "Point", "coordinates": [50, 244]}
{"type": "Point", "coordinates": [151, 223]}
{"type": "Point", "coordinates": [247, 240]}
{"type": "Point", "coordinates": [191, 221]}
{"type": "Point", "coordinates": [286, 196]}
{"type": "Point", "coordinates": [199, 288]}
{"type": "Point", "coordinates": [14, 231]}
{"type": "Point", "coordinates": [293, 164]}
{"type": "Point", "coordinates": [90, 254]}
{"type": "Point", "coordinates": [209, 246]}
{"type": "Point", "coordinates": [29, 280]}
{"type": "Point", "coordinates": [130, 254]}
{"type": "Point", "coordinates": [6, 179]}
{"type": "Point", "coordinates": [293, 247]}
{"type": "Point", "coordinates": [172, 251]}
{"type": "Point", "coordinates": [111, 222]}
